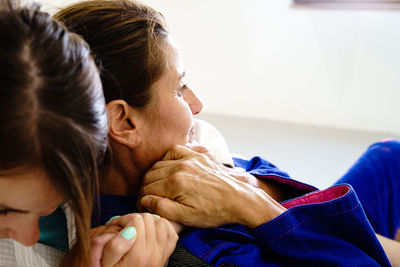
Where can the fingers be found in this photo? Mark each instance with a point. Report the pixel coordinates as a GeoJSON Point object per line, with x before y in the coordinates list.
{"type": "Point", "coordinates": [178, 152]}
{"type": "Point", "coordinates": [165, 207]}
{"type": "Point", "coordinates": [164, 169]}
{"type": "Point", "coordinates": [162, 164]}
{"type": "Point", "coordinates": [119, 246]}
{"type": "Point", "coordinates": [149, 221]}
{"type": "Point", "coordinates": [177, 160]}
{"type": "Point", "coordinates": [104, 229]}
{"type": "Point", "coordinates": [116, 247]}
{"type": "Point", "coordinates": [158, 173]}
{"type": "Point", "coordinates": [177, 226]}
{"type": "Point", "coordinates": [160, 235]}
{"type": "Point", "coordinates": [159, 188]}
{"type": "Point", "coordinates": [96, 248]}
{"type": "Point", "coordinates": [154, 243]}
{"type": "Point", "coordinates": [196, 147]}
{"type": "Point", "coordinates": [172, 185]}
{"type": "Point", "coordinates": [132, 219]}
{"type": "Point", "coordinates": [146, 240]}
{"type": "Point", "coordinates": [166, 236]}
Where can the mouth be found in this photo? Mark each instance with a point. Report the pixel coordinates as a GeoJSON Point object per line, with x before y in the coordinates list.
{"type": "Point", "coordinates": [191, 134]}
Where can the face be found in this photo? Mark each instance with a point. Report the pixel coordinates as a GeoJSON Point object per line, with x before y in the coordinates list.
{"type": "Point", "coordinates": [24, 197]}
{"type": "Point", "coordinates": [168, 118]}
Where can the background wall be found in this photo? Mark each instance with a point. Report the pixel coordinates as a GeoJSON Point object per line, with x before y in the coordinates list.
{"type": "Point", "coordinates": [264, 59]}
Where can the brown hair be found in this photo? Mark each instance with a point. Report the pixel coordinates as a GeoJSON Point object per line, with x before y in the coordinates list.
{"type": "Point", "coordinates": [52, 111]}
{"type": "Point", "coordinates": [126, 39]}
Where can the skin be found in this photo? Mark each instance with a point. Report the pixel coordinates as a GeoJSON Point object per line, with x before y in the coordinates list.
{"type": "Point", "coordinates": [392, 249]}
{"type": "Point", "coordinates": [170, 191]}
{"type": "Point", "coordinates": [25, 195]}
{"type": "Point", "coordinates": [154, 243]}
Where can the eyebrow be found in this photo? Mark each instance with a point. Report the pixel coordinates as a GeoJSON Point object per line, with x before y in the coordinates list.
{"type": "Point", "coordinates": [8, 209]}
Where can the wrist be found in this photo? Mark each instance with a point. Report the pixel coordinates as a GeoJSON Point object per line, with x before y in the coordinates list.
{"type": "Point", "coordinates": [257, 208]}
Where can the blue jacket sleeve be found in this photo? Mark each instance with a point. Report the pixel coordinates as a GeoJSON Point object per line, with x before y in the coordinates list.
{"type": "Point", "coordinates": [323, 228]}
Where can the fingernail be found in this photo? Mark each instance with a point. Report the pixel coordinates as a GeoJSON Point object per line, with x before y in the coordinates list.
{"type": "Point", "coordinates": [112, 218]}
{"type": "Point", "coordinates": [155, 215]}
{"type": "Point", "coordinates": [146, 201]}
{"type": "Point", "coordinates": [129, 233]}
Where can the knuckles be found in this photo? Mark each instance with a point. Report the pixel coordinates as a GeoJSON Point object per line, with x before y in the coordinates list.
{"type": "Point", "coordinates": [117, 245]}
{"type": "Point", "coordinates": [95, 242]}
{"type": "Point", "coordinates": [157, 207]}
{"type": "Point", "coordinates": [133, 219]}
{"type": "Point", "coordinates": [173, 236]}
{"type": "Point", "coordinates": [177, 181]}
{"type": "Point", "coordinates": [184, 165]}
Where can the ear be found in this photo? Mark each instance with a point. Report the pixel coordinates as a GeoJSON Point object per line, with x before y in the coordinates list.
{"type": "Point", "coordinates": [122, 127]}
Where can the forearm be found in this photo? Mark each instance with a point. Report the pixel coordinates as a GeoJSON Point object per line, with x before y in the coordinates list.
{"type": "Point", "coordinates": [253, 207]}
{"type": "Point", "coordinates": [392, 249]}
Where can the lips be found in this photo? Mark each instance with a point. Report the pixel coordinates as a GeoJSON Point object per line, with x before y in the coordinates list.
{"type": "Point", "coordinates": [191, 134]}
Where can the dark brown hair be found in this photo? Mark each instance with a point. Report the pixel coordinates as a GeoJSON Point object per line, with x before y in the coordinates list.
{"type": "Point", "coordinates": [52, 112]}
{"type": "Point", "coordinates": [126, 38]}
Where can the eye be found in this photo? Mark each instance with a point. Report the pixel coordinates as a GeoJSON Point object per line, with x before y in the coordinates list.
{"type": "Point", "coordinates": [4, 212]}
{"type": "Point", "coordinates": [181, 89]}
{"type": "Point", "coordinates": [8, 211]}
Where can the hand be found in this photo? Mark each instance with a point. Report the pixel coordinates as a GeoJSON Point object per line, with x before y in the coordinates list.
{"type": "Point", "coordinates": [154, 242]}
{"type": "Point", "coordinates": [277, 191]}
{"type": "Point", "coordinates": [190, 188]}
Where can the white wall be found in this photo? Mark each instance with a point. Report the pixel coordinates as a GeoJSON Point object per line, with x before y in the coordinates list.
{"type": "Point", "coordinates": [264, 59]}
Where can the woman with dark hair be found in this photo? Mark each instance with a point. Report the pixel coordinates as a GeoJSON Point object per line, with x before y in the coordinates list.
{"type": "Point", "coordinates": [51, 114]}
{"type": "Point", "coordinates": [53, 135]}
{"type": "Point", "coordinates": [151, 117]}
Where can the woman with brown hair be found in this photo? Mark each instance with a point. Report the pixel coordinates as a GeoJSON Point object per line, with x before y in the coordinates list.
{"type": "Point", "coordinates": [53, 135]}
{"type": "Point", "coordinates": [151, 113]}
{"type": "Point", "coordinates": [51, 113]}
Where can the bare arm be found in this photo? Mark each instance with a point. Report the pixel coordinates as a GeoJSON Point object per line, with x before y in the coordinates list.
{"type": "Point", "coordinates": [392, 249]}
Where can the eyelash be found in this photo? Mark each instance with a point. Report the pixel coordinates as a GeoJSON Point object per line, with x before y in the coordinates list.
{"type": "Point", "coordinates": [4, 212]}
{"type": "Point", "coordinates": [181, 89]}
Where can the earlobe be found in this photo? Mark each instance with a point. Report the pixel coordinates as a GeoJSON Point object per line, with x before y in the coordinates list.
{"type": "Point", "coordinates": [122, 126]}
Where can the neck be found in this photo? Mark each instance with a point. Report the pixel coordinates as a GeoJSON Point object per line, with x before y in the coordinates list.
{"type": "Point", "coordinates": [120, 181]}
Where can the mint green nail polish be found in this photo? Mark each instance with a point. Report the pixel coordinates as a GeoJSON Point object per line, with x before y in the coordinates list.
{"type": "Point", "coordinates": [112, 218]}
{"type": "Point", "coordinates": [129, 233]}
{"type": "Point", "coordinates": [157, 216]}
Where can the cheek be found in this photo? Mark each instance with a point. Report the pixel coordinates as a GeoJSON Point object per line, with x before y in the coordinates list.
{"type": "Point", "coordinates": [177, 124]}
{"type": "Point", "coordinates": [3, 231]}
{"type": "Point", "coordinates": [7, 223]}
{"type": "Point", "coordinates": [184, 119]}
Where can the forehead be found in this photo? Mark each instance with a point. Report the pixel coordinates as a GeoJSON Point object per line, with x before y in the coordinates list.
{"type": "Point", "coordinates": [28, 190]}
{"type": "Point", "coordinates": [173, 55]}
{"type": "Point", "coordinates": [172, 74]}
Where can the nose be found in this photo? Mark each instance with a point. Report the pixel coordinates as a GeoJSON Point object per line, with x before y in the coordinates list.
{"type": "Point", "coordinates": [27, 233]}
{"type": "Point", "coordinates": [194, 102]}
